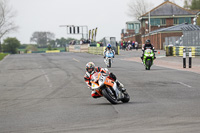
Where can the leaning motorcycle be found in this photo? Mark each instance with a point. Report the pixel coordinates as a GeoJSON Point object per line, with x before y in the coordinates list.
{"type": "Point", "coordinates": [104, 86]}
{"type": "Point", "coordinates": [148, 58]}
{"type": "Point", "coordinates": [108, 58]}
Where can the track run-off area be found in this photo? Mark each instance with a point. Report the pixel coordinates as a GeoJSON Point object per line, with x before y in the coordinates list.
{"type": "Point", "coordinates": [46, 93]}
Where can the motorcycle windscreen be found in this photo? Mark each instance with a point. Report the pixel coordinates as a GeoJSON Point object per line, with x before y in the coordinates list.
{"type": "Point", "coordinates": [109, 54]}
{"type": "Point", "coordinates": [94, 80]}
{"type": "Point", "coordinates": [148, 51]}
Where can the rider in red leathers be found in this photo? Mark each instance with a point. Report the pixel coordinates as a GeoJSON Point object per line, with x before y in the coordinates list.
{"type": "Point", "coordinates": [91, 69]}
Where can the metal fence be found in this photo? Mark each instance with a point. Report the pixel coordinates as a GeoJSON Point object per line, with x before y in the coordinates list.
{"type": "Point", "coordinates": [111, 40]}
{"type": "Point", "coordinates": [174, 40]}
{"type": "Point", "coordinates": [191, 35]}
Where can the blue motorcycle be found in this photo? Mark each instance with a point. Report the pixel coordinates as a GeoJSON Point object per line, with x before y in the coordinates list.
{"type": "Point", "coordinates": [109, 58]}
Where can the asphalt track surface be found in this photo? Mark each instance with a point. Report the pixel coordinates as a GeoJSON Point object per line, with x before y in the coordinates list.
{"type": "Point", "coordinates": [46, 93]}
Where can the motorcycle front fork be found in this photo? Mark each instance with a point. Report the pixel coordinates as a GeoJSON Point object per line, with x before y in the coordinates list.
{"type": "Point", "coordinates": [117, 91]}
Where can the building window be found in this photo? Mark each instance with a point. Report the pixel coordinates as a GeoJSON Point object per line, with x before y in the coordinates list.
{"type": "Point", "coordinates": [163, 21]}
{"type": "Point", "coordinates": [175, 21]}
{"type": "Point", "coordinates": [137, 28]}
{"type": "Point", "coordinates": [182, 20]}
{"type": "Point", "coordinates": [130, 26]}
{"type": "Point", "coordinates": [155, 21]}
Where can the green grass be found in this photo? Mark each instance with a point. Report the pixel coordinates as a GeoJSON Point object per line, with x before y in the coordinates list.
{"type": "Point", "coordinates": [2, 55]}
{"type": "Point", "coordinates": [43, 49]}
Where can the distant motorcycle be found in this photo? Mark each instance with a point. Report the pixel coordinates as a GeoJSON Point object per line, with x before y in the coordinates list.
{"type": "Point", "coordinates": [148, 58]}
{"type": "Point", "coordinates": [109, 58]}
{"type": "Point", "coordinates": [104, 87]}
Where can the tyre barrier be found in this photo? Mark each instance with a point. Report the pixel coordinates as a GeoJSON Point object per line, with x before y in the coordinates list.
{"type": "Point", "coordinates": [178, 51]}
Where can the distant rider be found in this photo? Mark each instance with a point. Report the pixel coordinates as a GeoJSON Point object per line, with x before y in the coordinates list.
{"type": "Point", "coordinates": [110, 49]}
{"type": "Point", "coordinates": [147, 45]}
{"type": "Point", "coordinates": [91, 69]}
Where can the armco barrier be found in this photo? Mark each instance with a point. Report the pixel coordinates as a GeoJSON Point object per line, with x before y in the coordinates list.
{"type": "Point", "coordinates": [178, 51]}
{"type": "Point", "coordinates": [96, 50]}
{"type": "Point", "coordinates": [53, 51]}
{"type": "Point", "coordinates": [87, 49]}
{"type": "Point", "coordinates": [78, 48]}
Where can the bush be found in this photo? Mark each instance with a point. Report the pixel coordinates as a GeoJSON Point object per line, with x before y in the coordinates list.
{"type": "Point", "coordinates": [10, 45]}
{"type": "Point", "coordinates": [31, 47]}
{"type": "Point", "coordinates": [49, 47]}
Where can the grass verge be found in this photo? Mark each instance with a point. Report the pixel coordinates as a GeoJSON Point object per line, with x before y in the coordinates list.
{"type": "Point", "coordinates": [2, 55]}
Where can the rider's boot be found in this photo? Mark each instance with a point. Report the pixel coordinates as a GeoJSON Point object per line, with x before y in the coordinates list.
{"type": "Point", "coordinates": [95, 94]}
{"type": "Point", "coordinates": [142, 59]}
{"type": "Point", "coordinates": [120, 86]}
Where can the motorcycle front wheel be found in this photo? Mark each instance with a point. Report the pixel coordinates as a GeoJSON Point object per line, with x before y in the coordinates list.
{"type": "Point", "coordinates": [109, 96]}
{"type": "Point", "coordinates": [109, 63]}
{"type": "Point", "coordinates": [148, 64]}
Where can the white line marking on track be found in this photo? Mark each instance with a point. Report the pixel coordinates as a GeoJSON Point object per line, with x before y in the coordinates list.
{"type": "Point", "coordinates": [76, 60]}
{"type": "Point", "coordinates": [184, 84]}
{"type": "Point", "coordinates": [47, 78]}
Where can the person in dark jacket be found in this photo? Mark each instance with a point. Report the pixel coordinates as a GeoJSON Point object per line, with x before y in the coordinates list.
{"type": "Point", "coordinates": [147, 45]}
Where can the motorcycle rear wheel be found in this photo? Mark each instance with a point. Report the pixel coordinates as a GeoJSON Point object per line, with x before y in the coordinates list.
{"type": "Point", "coordinates": [126, 98]}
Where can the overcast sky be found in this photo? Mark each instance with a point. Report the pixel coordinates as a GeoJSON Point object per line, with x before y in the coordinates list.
{"type": "Point", "coordinates": [109, 16]}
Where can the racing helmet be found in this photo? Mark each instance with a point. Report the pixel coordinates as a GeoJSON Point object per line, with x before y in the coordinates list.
{"type": "Point", "coordinates": [90, 66]}
{"type": "Point", "coordinates": [148, 41]}
{"type": "Point", "coordinates": [108, 45]}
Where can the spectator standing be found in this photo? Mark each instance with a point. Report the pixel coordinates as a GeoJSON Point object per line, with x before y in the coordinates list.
{"type": "Point", "coordinates": [121, 44]}
{"type": "Point", "coordinates": [98, 44]}
{"type": "Point", "coordinates": [136, 45]}
{"type": "Point", "coordinates": [124, 45]}
{"type": "Point", "coordinates": [133, 44]}
{"type": "Point", "coordinates": [81, 42]}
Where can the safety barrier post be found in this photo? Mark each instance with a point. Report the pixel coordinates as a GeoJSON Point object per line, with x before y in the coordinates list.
{"type": "Point", "coordinates": [190, 58]}
{"type": "Point", "coordinates": [184, 58]}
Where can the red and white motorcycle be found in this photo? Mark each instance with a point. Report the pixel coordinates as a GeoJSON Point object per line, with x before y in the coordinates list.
{"type": "Point", "coordinates": [106, 87]}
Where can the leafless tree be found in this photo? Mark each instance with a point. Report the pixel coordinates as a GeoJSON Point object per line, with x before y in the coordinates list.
{"type": "Point", "coordinates": [187, 4]}
{"type": "Point", "coordinates": [6, 19]}
{"type": "Point", "coordinates": [137, 8]}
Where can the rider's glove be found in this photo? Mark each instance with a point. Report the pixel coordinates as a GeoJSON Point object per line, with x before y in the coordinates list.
{"type": "Point", "coordinates": [90, 87]}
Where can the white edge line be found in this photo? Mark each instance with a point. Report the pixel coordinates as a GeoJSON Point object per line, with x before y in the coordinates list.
{"type": "Point", "coordinates": [184, 84]}
{"type": "Point", "coordinates": [76, 60]}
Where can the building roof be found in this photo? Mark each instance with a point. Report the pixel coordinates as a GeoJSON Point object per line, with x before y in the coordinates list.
{"type": "Point", "coordinates": [195, 11]}
{"type": "Point", "coordinates": [168, 9]}
{"type": "Point", "coordinates": [179, 27]}
{"type": "Point", "coordinates": [190, 28]}
{"type": "Point", "coordinates": [131, 22]}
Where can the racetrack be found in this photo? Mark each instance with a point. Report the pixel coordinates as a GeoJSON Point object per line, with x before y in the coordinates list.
{"type": "Point", "coordinates": [46, 93]}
